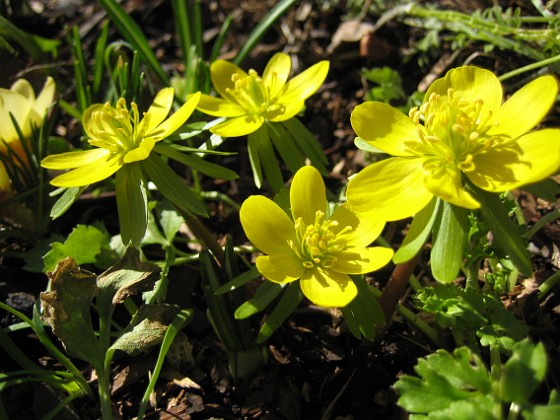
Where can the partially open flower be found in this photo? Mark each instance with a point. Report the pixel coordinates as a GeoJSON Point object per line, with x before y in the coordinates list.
{"type": "Point", "coordinates": [319, 249]}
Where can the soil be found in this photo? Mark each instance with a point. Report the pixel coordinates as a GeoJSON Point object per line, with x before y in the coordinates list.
{"type": "Point", "coordinates": [315, 369]}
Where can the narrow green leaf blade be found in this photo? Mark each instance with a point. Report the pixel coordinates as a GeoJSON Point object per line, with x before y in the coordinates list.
{"type": "Point", "coordinates": [264, 295]}
{"type": "Point", "coordinates": [288, 303]}
{"type": "Point", "coordinates": [132, 203]}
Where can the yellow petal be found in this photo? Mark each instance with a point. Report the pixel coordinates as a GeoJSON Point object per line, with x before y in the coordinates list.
{"type": "Point", "coordinates": [159, 110]}
{"type": "Point", "coordinates": [362, 260]}
{"type": "Point", "coordinates": [536, 157]}
{"type": "Point", "coordinates": [306, 83]}
{"type": "Point", "coordinates": [384, 127]}
{"type": "Point", "coordinates": [327, 288]}
{"type": "Point", "coordinates": [17, 105]}
{"type": "Point", "coordinates": [471, 83]}
{"type": "Point", "coordinates": [393, 189]}
{"type": "Point", "coordinates": [280, 268]}
{"type": "Point", "coordinates": [221, 73]}
{"type": "Point", "coordinates": [276, 73]}
{"type": "Point", "coordinates": [266, 225]}
{"type": "Point", "coordinates": [23, 88]}
{"type": "Point", "coordinates": [307, 194]}
{"type": "Point", "coordinates": [141, 152]}
{"type": "Point", "coordinates": [45, 98]}
{"type": "Point", "coordinates": [366, 227]}
{"type": "Point", "coordinates": [75, 159]}
{"type": "Point", "coordinates": [447, 184]}
{"type": "Point", "coordinates": [289, 110]}
{"type": "Point", "coordinates": [514, 118]}
{"type": "Point", "coordinates": [89, 174]}
{"type": "Point", "coordinates": [219, 107]}
{"type": "Point", "coordinates": [238, 126]}
{"type": "Point", "coordinates": [175, 121]}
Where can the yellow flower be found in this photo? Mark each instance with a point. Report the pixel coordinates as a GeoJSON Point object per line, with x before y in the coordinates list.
{"type": "Point", "coordinates": [319, 250]}
{"type": "Point", "coordinates": [461, 133]}
{"type": "Point", "coordinates": [248, 100]}
{"type": "Point", "coordinates": [28, 111]}
{"type": "Point", "coordinates": [120, 137]}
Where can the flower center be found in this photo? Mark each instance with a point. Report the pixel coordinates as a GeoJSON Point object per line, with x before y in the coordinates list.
{"type": "Point", "coordinates": [319, 242]}
{"type": "Point", "coordinates": [253, 95]}
{"type": "Point", "coordinates": [452, 130]}
{"type": "Point", "coordinates": [116, 129]}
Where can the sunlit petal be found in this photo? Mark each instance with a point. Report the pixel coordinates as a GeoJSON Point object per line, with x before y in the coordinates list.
{"type": "Point", "coordinates": [141, 152]}
{"type": "Point", "coordinates": [383, 126]}
{"type": "Point", "coordinates": [393, 189]}
{"type": "Point", "coordinates": [280, 268]}
{"type": "Point", "coordinates": [17, 105]}
{"type": "Point", "coordinates": [175, 121]}
{"type": "Point", "coordinates": [159, 109]}
{"type": "Point", "coordinates": [45, 98]}
{"type": "Point", "coordinates": [447, 184]}
{"type": "Point", "coordinates": [219, 107]}
{"type": "Point", "coordinates": [535, 158]}
{"type": "Point", "coordinates": [23, 87]}
{"type": "Point", "coordinates": [362, 260]}
{"type": "Point", "coordinates": [307, 194]}
{"type": "Point", "coordinates": [75, 159]}
{"type": "Point", "coordinates": [365, 228]}
{"type": "Point", "coordinates": [513, 118]}
{"type": "Point", "coordinates": [306, 83]}
{"type": "Point", "coordinates": [276, 73]}
{"type": "Point", "coordinates": [89, 174]}
{"type": "Point", "coordinates": [289, 110]}
{"type": "Point", "coordinates": [328, 288]}
{"type": "Point", "coordinates": [238, 126]}
{"type": "Point", "coordinates": [266, 225]}
{"type": "Point", "coordinates": [221, 73]}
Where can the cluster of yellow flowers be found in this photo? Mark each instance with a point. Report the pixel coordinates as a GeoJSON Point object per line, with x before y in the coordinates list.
{"type": "Point", "coordinates": [461, 135]}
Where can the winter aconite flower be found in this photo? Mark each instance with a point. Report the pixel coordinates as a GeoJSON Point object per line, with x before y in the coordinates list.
{"type": "Point", "coordinates": [461, 134]}
{"type": "Point", "coordinates": [248, 100]}
{"type": "Point", "coordinates": [127, 144]}
{"type": "Point", "coordinates": [264, 108]}
{"type": "Point", "coordinates": [19, 102]}
{"type": "Point", "coordinates": [120, 136]}
{"type": "Point", "coordinates": [316, 248]}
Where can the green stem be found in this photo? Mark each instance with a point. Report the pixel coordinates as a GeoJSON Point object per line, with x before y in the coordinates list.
{"type": "Point", "coordinates": [529, 67]}
{"type": "Point", "coordinates": [548, 285]}
{"type": "Point", "coordinates": [549, 217]}
{"type": "Point", "coordinates": [495, 362]}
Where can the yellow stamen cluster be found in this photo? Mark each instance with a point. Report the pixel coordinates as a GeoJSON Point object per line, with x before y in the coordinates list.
{"type": "Point", "coordinates": [319, 241]}
{"type": "Point", "coordinates": [253, 95]}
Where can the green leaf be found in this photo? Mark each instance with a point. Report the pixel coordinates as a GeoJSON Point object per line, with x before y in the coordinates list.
{"type": "Point", "coordinates": [67, 309]}
{"type": "Point", "coordinates": [523, 372]}
{"type": "Point", "coordinates": [33, 44]}
{"type": "Point", "coordinates": [196, 163]}
{"type": "Point", "coordinates": [83, 244]}
{"type": "Point", "coordinates": [547, 189]}
{"type": "Point", "coordinates": [363, 314]}
{"type": "Point", "coordinates": [505, 233]}
{"type": "Point", "coordinates": [132, 204]}
{"type": "Point", "coordinates": [133, 34]}
{"type": "Point", "coordinates": [288, 303]}
{"type": "Point", "coordinates": [146, 329]}
{"type": "Point", "coordinates": [239, 281]}
{"type": "Point", "coordinates": [263, 297]}
{"type": "Point", "coordinates": [449, 243]}
{"type": "Point", "coordinates": [307, 143]}
{"type": "Point", "coordinates": [170, 223]}
{"type": "Point", "coordinates": [418, 232]}
{"type": "Point", "coordinates": [171, 186]}
{"type": "Point", "coordinates": [284, 144]}
{"type": "Point", "coordinates": [263, 159]}
{"type": "Point", "coordinates": [66, 200]}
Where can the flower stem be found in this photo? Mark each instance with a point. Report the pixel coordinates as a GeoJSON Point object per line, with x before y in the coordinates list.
{"type": "Point", "coordinates": [529, 67]}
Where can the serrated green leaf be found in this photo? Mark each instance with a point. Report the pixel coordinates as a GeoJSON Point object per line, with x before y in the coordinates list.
{"type": "Point", "coordinates": [418, 232]}
{"type": "Point", "coordinates": [449, 243]}
{"type": "Point", "coordinates": [83, 244]}
{"type": "Point", "coordinates": [264, 296]}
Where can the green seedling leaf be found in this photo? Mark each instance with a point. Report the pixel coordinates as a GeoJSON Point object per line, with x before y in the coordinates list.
{"type": "Point", "coordinates": [33, 44]}
{"type": "Point", "coordinates": [132, 204]}
{"type": "Point", "coordinates": [418, 233]}
{"type": "Point", "coordinates": [363, 314]}
{"type": "Point", "coordinates": [171, 186]}
{"type": "Point", "coordinates": [127, 277]}
{"type": "Point", "coordinates": [549, 411]}
{"type": "Point", "coordinates": [146, 329]}
{"type": "Point", "coordinates": [263, 297]}
{"type": "Point", "coordinates": [288, 303]}
{"type": "Point", "coordinates": [170, 222]}
{"type": "Point", "coordinates": [67, 309]}
{"type": "Point", "coordinates": [444, 380]}
{"type": "Point", "coordinates": [65, 201]}
{"type": "Point", "coordinates": [523, 372]}
{"type": "Point", "coordinates": [449, 243]}
{"type": "Point", "coordinates": [506, 233]}
{"type": "Point", "coordinates": [239, 281]}
{"type": "Point", "coordinates": [84, 244]}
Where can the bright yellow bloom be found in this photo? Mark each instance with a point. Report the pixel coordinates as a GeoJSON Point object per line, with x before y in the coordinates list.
{"type": "Point", "coordinates": [319, 250]}
{"type": "Point", "coordinates": [28, 111]}
{"type": "Point", "coordinates": [120, 137]}
{"type": "Point", "coordinates": [248, 100]}
{"type": "Point", "coordinates": [461, 132]}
